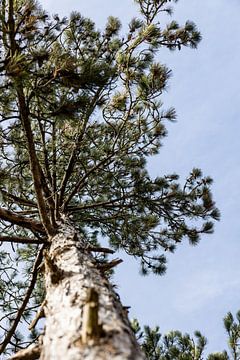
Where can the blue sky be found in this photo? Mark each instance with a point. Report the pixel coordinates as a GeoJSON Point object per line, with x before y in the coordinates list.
{"type": "Point", "coordinates": [202, 283]}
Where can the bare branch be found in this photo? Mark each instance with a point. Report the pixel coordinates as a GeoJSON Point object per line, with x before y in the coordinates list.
{"type": "Point", "coordinates": [100, 249]}
{"type": "Point", "coordinates": [18, 199]}
{"type": "Point", "coordinates": [22, 240]}
{"type": "Point", "coordinates": [109, 265]}
{"type": "Point", "coordinates": [30, 353]}
{"type": "Point", "coordinates": [39, 315]}
{"type": "Point", "coordinates": [20, 220]}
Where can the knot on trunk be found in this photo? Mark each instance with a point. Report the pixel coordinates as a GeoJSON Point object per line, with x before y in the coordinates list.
{"type": "Point", "coordinates": [56, 274]}
{"type": "Point", "coordinates": [91, 329]}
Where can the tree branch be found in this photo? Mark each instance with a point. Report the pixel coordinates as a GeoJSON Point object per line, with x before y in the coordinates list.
{"type": "Point", "coordinates": [45, 153]}
{"type": "Point", "coordinates": [55, 215]}
{"type": "Point", "coordinates": [22, 240]}
{"type": "Point", "coordinates": [30, 353]}
{"type": "Point", "coordinates": [26, 124]}
{"type": "Point", "coordinates": [34, 164]}
{"type": "Point", "coordinates": [100, 249]}
{"type": "Point", "coordinates": [73, 156]}
{"type": "Point", "coordinates": [18, 199]}
{"type": "Point", "coordinates": [39, 315]}
{"type": "Point", "coordinates": [100, 204]}
{"type": "Point", "coordinates": [20, 220]}
{"type": "Point", "coordinates": [24, 303]}
{"type": "Point", "coordinates": [81, 181]}
{"type": "Point", "coordinates": [109, 265]}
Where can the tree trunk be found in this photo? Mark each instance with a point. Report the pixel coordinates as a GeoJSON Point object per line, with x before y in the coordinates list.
{"type": "Point", "coordinates": [84, 316]}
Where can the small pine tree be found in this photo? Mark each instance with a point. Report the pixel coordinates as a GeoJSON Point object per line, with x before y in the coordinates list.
{"type": "Point", "coordinates": [172, 346]}
{"type": "Point", "coordinates": [178, 346]}
{"type": "Point", "coordinates": [80, 114]}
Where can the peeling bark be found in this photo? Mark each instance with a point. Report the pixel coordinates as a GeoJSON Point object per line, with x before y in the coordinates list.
{"type": "Point", "coordinates": [71, 272]}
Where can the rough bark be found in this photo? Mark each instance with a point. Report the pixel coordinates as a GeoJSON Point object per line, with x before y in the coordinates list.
{"type": "Point", "coordinates": [84, 316]}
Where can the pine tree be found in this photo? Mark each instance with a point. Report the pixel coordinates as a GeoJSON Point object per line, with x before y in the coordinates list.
{"type": "Point", "coordinates": [80, 114]}
{"type": "Point", "coordinates": [172, 346]}
{"type": "Point", "coordinates": [178, 346]}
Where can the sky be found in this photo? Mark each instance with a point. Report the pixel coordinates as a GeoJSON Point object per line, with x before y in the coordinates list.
{"type": "Point", "coordinates": [202, 283]}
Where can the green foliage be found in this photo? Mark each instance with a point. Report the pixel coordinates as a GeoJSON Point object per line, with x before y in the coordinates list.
{"type": "Point", "coordinates": [80, 113]}
{"type": "Point", "coordinates": [219, 356]}
{"type": "Point", "coordinates": [233, 330]}
{"type": "Point", "coordinates": [178, 346]}
{"type": "Point", "coordinates": [172, 346]}
{"type": "Point", "coordinates": [13, 286]}
{"type": "Point", "coordinates": [93, 101]}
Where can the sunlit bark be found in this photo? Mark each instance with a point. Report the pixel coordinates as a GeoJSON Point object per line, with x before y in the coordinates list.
{"type": "Point", "coordinates": [70, 272]}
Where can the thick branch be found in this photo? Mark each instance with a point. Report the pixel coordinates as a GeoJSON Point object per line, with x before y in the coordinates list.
{"type": "Point", "coordinates": [21, 310]}
{"type": "Point", "coordinates": [24, 115]}
{"type": "Point", "coordinates": [109, 265]}
{"type": "Point", "coordinates": [19, 200]}
{"type": "Point", "coordinates": [28, 212]}
{"type": "Point", "coordinates": [11, 25]}
{"type": "Point", "coordinates": [31, 353]}
{"type": "Point", "coordinates": [20, 220]}
{"type": "Point", "coordinates": [34, 164]}
{"type": "Point", "coordinates": [22, 240]}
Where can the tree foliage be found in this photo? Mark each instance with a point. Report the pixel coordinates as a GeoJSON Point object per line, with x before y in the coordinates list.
{"type": "Point", "coordinates": [80, 115]}
{"type": "Point", "coordinates": [178, 346]}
